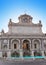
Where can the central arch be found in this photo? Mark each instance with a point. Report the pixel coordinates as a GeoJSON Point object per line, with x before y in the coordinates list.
{"type": "Point", "coordinates": [26, 48]}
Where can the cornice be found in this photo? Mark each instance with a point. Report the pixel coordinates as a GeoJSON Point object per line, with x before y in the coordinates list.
{"type": "Point", "coordinates": [25, 24]}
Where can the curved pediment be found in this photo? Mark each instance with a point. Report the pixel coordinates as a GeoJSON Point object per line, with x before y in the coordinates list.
{"type": "Point", "coordinates": [25, 18]}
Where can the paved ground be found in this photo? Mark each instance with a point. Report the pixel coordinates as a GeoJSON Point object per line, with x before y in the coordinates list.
{"type": "Point", "coordinates": [35, 62]}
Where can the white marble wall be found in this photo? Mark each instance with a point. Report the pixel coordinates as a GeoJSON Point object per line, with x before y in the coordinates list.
{"type": "Point", "coordinates": [25, 30]}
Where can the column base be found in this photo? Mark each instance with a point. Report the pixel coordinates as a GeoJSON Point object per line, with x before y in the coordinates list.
{"type": "Point", "coordinates": [21, 54]}
{"type": "Point", "coordinates": [9, 54]}
{"type": "Point", "coordinates": [0, 54]}
{"type": "Point", "coordinates": [33, 55]}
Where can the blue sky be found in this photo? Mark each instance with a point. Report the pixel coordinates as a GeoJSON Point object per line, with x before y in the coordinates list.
{"type": "Point", "coordinates": [14, 8]}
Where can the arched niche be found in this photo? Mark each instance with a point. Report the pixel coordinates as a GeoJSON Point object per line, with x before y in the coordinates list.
{"type": "Point", "coordinates": [14, 44]}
